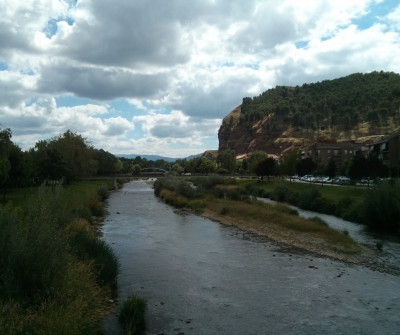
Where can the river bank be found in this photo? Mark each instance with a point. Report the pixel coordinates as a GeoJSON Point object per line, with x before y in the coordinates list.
{"type": "Point", "coordinates": [57, 276]}
{"type": "Point", "coordinates": [218, 199]}
{"type": "Point", "coordinates": [368, 257]}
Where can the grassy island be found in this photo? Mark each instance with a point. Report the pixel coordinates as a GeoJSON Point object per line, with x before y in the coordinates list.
{"type": "Point", "coordinates": [226, 201]}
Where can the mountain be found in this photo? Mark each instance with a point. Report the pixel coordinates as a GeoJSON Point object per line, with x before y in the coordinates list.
{"type": "Point", "coordinates": [155, 157]}
{"type": "Point", "coordinates": [357, 107]}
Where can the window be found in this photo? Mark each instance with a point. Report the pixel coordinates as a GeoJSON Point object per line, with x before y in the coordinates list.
{"type": "Point", "coordinates": [345, 152]}
{"type": "Point", "coordinates": [350, 152]}
{"type": "Point", "coordinates": [335, 152]}
{"type": "Point", "coordinates": [329, 151]}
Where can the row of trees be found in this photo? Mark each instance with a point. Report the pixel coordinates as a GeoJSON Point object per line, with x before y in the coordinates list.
{"type": "Point", "coordinates": [292, 163]}
{"type": "Point", "coordinates": [68, 156]}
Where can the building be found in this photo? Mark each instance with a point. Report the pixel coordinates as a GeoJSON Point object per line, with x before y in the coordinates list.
{"type": "Point", "coordinates": [387, 149]}
{"type": "Point", "coordinates": [339, 152]}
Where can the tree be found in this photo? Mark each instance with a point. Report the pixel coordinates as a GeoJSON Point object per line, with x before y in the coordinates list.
{"type": "Point", "coordinates": [5, 148]}
{"type": "Point", "coordinates": [358, 167]}
{"type": "Point", "coordinates": [266, 167]}
{"type": "Point", "coordinates": [136, 169]}
{"type": "Point", "coordinates": [200, 165]}
{"type": "Point", "coordinates": [288, 162]}
{"type": "Point", "coordinates": [226, 160]}
{"type": "Point", "coordinates": [255, 158]}
{"type": "Point", "coordinates": [177, 168]}
{"type": "Point", "coordinates": [331, 169]}
{"type": "Point", "coordinates": [78, 155]}
{"type": "Point", "coordinates": [305, 166]}
{"type": "Point", "coordinates": [107, 162]}
{"type": "Point", "coordinates": [205, 166]}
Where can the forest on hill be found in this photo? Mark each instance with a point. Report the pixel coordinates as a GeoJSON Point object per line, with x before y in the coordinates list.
{"type": "Point", "coordinates": [342, 103]}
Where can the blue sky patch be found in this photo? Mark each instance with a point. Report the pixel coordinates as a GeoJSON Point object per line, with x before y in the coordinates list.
{"type": "Point", "coordinates": [51, 28]}
{"type": "Point", "coordinates": [376, 11]}
{"type": "Point", "coordinates": [3, 66]}
{"type": "Point", "coordinates": [301, 44]}
{"type": "Point", "coordinates": [72, 101]}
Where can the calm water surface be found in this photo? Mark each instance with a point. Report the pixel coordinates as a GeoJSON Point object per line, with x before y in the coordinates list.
{"type": "Point", "coordinates": [200, 277]}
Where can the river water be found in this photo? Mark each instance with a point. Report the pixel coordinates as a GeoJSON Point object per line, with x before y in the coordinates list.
{"type": "Point", "coordinates": [201, 277]}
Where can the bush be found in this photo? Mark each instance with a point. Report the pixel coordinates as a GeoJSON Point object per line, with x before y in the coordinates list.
{"type": "Point", "coordinates": [225, 210]}
{"type": "Point", "coordinates": [132, 315]}
{"type": "Point", "coordinates": [105, 262]}
{"type": "Point", "coordinates": [381, 207]}
{"type": "Point", "coordinates": [280, 193]}
{"type": "Point", "coordinates": [102, 192]}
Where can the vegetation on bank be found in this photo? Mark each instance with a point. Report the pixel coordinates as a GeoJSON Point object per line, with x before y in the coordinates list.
{"type": "Point", "coordinates": [377, 207]}
{"type": "Point", "coordinates": [132, 315]}
{"type": "Point", "coordinates": [56, 275]}
{"type": "Point", "coordinates": [223, 199]}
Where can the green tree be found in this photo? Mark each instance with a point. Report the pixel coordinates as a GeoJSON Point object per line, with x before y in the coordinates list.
{"type": "Point", "coordinates": [305, 166]}
{"type": "Point", "coordinates": [226, 160]}
{"type": "Point", "coordinates": [288, 162]}
{"type": "Point", "coordinates": [255, 158]}
{"type": "Point", "coordinates": [177, 168]}
{"type": "Point", "coordinates": [136, 169]}
{"type": "Point", "coordinates": [5, 165]}
{"type": "Point", "coordinates": [266, 167]}
{"type": "Point", "coordinates": [78, 155]}
{"type": "Point", "coordinates": [107, 162]}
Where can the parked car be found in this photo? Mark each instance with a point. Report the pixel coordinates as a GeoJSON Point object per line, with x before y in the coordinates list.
{"type": "Point", "coordinates": [307, 178]}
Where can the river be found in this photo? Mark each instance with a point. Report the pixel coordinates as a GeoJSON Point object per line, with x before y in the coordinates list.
{"type": "Point", "coordinates": [201, 277]}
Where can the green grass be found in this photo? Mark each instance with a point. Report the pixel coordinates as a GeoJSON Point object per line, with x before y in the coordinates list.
{"type": "Point", "coordinates": [330, 192]}
{"type": "Point", "coordinates": [342, 201]}
{"type": "Point", "coordinates": [132, 315]}
{"type": "Point", "coordinates": [52, 281]}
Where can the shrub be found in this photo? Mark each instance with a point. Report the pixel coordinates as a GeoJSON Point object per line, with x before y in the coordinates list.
{"type": "Point", "coordinates": [381, 207]}
{"type": "Point", "coordinates": [105, 262]}
{"type": "Point", "coordinates": [132, 315]}
{"type": "Point", "coordinates": [102, 192]}
{"type": "Point", "coordinates": [224, 210]}
{"type": "Point", "coordinates": [280, 193]}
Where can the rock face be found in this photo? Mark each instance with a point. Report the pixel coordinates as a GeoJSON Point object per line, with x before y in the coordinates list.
{"type": "Point", "coordinates": [355, 108]}
{"type": "Point", "coordinates": [247, 137]}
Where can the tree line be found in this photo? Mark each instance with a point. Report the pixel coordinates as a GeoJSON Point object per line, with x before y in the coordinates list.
{"type": "Point", "coordinates": [69, 156]}
{"type": "Point", "coordinates": [344, 102]}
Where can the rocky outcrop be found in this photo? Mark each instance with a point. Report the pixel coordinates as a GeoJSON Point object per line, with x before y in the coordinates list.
{"type": "Point", "coordinates": [273, 135]}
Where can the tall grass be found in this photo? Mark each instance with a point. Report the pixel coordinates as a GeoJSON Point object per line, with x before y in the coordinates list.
{"type": "Point", "coordinates": [46, 287]}
{"type": "Point", "coordinates": [381, 207]}
{"type": "Point", "coordinates": [132, 315]}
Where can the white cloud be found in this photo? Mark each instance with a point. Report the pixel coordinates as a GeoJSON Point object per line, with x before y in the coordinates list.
{"type": "Point", "coordinates": [197, 58]}
{"type": "Point", "coordinates": [394, 18]}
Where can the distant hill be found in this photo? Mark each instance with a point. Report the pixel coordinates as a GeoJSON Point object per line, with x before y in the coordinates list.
{"type": "Point", "coordinates": [356, 107]}
{"type": "Point", "coordinates": [155, 157]}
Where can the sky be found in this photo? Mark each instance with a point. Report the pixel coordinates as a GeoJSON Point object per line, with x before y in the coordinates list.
{"type": "Point", "coordinates": [158, 76]}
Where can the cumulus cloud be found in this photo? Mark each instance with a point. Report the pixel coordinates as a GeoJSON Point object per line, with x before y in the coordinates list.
{"type": "Point", "coordinates": [181, 65]}
{"type": "Point", "coordinates": [98, 83]}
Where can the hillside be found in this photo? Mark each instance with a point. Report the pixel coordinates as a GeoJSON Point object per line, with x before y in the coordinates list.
{"type": "Point", "coordinates": [356, 107]}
